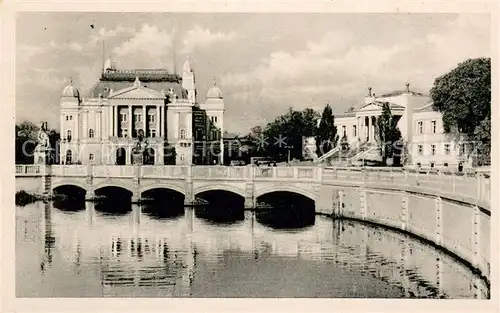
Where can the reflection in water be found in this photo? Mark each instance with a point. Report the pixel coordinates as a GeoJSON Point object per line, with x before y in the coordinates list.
{"type": "Point", "coordinates": [162, 210]}
{"type": "Point", "coordinates": [286, 217]}
{"type": "Point", "coordinates": [70, 205]}
{"type": "Point", "coordinates": [87, 254]}
{"type": "Point", "coordinates": [220, 215]}
{"type": "Point", "coordinates": [113, 206]}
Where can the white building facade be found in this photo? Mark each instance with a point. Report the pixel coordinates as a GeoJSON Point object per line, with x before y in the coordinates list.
{"type": "Point", "coordinates": [421, 128]}
{"type": "Point", "coordinates": [103, 126]}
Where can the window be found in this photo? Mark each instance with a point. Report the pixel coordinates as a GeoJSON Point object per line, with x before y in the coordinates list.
{"type": "Point", "coordinates": [432, 164]}
{"type": "Point", "coordinates": [67, 117]}
{"type": "Point", "coordinates": [419, 165]}
{"type": "Point", "coordinates": [215, 119]}
{"type": "Point", "coordinates": [433, 126]}
{"type": "Point", "coordinates": [151, 118]}
{"type": "Point", "coordinates": [124, 133]}
{"type": "Point", "coordinates": [183, 134]}
{"type": "Point", "coordinates": [212, 118]}
{"type": "Point", "coordinates": [71, 117]}
{"type": "Point", "coordinates": [354, 131]}
{"type": "Point", "coordinates": [445, 164]}
{"type": "Point", "coordinates": [137, 117]}
{"type": "Point", "coordinates": [91, 133]}
{"type": "Point", "coordinates": [69, 158]}
{"type": "Point", "coordinates": [461, 151]}
{"type": "Point", "coordinates": [152, 133]}
{"type": "Point", "coordinates": [420, 128]}
{"type": "Point", "coordinates": [91, 157]}
{"type": "Point", "coordinates": [343, 130]}
{"type": "Point", "coordinates": [447, 149]}
{"type": "Point", "coordinates": [420, 149]}
{"type": "Point", "coordinates": [433, 149]}
{"type": "Point", "coordinates": [123, 117]}
{"type": "Point", "coordinates": [182, 158]}
{"type": "Point", "coordinates": [68, 135]}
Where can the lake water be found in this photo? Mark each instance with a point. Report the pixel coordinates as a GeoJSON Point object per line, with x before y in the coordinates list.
{"type": "Point", "coordinates": [101, 251]}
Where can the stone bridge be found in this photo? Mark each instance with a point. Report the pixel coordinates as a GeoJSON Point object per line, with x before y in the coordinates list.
{"type": "Point", "coordinates": [450, 210]}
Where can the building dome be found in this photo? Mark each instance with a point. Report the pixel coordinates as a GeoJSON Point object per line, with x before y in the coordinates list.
{"type": "Point", "coordinates": [71, 91]}
{"type": "Point", "coordinates": [214, 92]}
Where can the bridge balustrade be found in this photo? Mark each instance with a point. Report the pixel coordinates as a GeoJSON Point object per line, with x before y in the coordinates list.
{"type": "Point", "coordinates": [69, 170]}
{"type": "Point", "coordinates": [113, 171]}
{"type": "Point", "coordinates": [162, 171]}
{"type": "Point", "coordinates": [472, 184]}
{"type": "Point", "coordinates": [27, 170]}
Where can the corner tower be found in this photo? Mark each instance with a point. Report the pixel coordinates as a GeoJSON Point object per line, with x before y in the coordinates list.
{"type": "Point", "coordinates": [188, 81]}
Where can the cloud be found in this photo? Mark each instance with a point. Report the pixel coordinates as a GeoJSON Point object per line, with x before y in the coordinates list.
{"type": "Point", "coordinates": [146, 47]}
{"type": "Point", "coordinates": [203, 37]}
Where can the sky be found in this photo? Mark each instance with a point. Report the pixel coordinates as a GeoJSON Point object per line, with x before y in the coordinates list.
{"type": "Point", "coordinates": [264, 63]}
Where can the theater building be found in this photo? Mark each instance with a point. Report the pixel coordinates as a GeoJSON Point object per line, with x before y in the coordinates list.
{"type": "Point", "coordinates": [103, 126]}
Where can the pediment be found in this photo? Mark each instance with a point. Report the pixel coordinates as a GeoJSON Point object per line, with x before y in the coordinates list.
{"type": "Point", "coordinates": [371, 107]}
{"type": "Point", "coordinates": [137, 93]}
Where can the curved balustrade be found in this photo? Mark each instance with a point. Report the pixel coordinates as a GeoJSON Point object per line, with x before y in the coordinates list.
{"type": "Point", "coordinates": [460, 186]}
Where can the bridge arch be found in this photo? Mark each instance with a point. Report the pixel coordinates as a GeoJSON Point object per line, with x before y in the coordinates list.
{"type": "Point", "coordinates": [228, 188]}
{"type": "Point", "coordinates": [162, 186]}
{"type": "Point", "coordinates": [116, 185]}
{"type": "Point", "coordinates": [284, 188]}
{"type": "Point", "coordinates": [58, 184]}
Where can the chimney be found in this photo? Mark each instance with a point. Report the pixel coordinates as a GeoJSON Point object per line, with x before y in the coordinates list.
{"type": "Point", "coordinates": [408, 87]}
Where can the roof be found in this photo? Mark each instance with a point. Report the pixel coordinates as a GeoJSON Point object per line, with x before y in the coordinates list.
{"type": "Point", "coordinates": [346, 114]}
{"type": "Point", "coordinates": [381, 103]}
{"type": "Point", "coordinates": [400, 92]}
{"type": "Point", "coordinates": [157, 79]}
{"type": "Point", "coordinates": [426, 108]}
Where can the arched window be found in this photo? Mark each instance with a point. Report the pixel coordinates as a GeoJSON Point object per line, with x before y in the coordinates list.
{"type": "Point", "coordinates": [183, 134]}
{"type": "Point", "coordinates": [68, 135]}
{"type": "Point", "coordinates": [69, 157]}
{"type": "Point", "coordinates": [91, 133]}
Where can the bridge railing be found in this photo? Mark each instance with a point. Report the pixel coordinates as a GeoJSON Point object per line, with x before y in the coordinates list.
{"type": "Point", "coordinates": [287, 173]}
{"type": "Point", "coordinates": [472, 184]}
{"type": "Point", "coordinates": [29, 170]}
{"type": "Point", "coordinates": [162, 171]}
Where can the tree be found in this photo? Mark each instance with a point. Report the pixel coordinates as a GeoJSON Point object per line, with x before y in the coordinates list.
{"type": "Point", "coordinates": [482, 138]}
{"type": "Point", "coordinates": [463, 96]}
{"type": "Point", "coordinates": [26, 136]}
{"type": "Point", "coordinates": [26, 142]}
{"type": "Point", "coordinates": [344, 144]}
{"type": "Point", "coordinates": [387, 132]}
{"type": "Point", "coordinates": [284, 134]}
{"type": "Point", "coordinates": [326, 134]}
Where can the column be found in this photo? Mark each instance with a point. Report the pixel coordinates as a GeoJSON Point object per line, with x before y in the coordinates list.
{"type": "Point", "coordinates": [116, 120]}
{"type": "Point", "coordinates": [158, 117]}
{"type": "Point", "coordinates": [144, 120]}
{"type": "Point", "coordinates": [75, 125]}
{"type": "Point", "coordinates": [357, 128]}
{"type": "Point", "coordinates": [162, 121]}
{"type": "Point", "coordinates": [369, 128]}
{"type": "Point", "coordinates": [129, 121]}
{"type": "Point", "coordinates": [221, 140]}
{"type": "Point", "coordinates": [188, 131]}
{"type": "Point", "coordinates": [98, 125]}
{"type": "Point", "coordinates": [61, 125]}
{"type": "Point", "coordinates": [85, 122]}
{"type": "Point", "coordinates": [110, 121]}
{"type": "Point", "coordinates": [177, 124]}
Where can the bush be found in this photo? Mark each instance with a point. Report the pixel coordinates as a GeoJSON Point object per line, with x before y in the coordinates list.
{"type": "Point", "coordinates": [23, 198]}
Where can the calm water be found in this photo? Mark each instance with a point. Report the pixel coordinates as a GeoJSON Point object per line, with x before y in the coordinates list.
{"type": "Point", "coordinates": [86, 252]}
